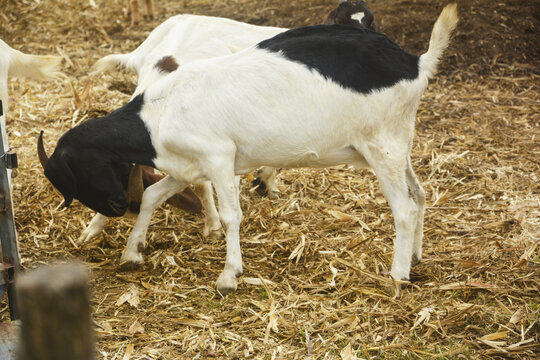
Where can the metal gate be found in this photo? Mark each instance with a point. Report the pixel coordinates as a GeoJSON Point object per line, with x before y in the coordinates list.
{"type": "Point", "coordinates": [10, 265]}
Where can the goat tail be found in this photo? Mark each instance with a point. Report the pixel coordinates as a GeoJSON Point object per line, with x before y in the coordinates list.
{"type": "Point", "coordinates": [110, 62]}
{"type": "Point", "coordinates": [440, 37]}
{"type": "Point", "coordinates": [40, 67]}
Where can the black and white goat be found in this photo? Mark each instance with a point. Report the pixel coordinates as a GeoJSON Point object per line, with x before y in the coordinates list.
{"type": "Point", "coordinates": [186, 38]}
{"type": "Point", "coordinates": [310, 97]}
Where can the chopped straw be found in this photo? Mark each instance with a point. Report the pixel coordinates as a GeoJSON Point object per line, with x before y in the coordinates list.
{"type": "Point", "coordinates": [316, 259]}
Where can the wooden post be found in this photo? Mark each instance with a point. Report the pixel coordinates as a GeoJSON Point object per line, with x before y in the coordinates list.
{"type": "Point", "coordinates": [55, 313]}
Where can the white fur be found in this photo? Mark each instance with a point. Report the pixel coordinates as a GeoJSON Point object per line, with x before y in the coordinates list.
{"type": "Point", "coordinates": [256, 108]}
{"type": "Point", "coordinates": [15, 63]}
{"type": "Point", "coordinates": [94, 228]}
{"type": "Point", "coordinates": [358, 16]}
{"type": "Point", "coordinates": [187, 38]}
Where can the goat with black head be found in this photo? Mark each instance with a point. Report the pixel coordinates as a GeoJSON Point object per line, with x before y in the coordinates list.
{"type": "Point", "coordinates": [85, 168]}
{"type": "Point", "coordinates": [339, 102]}
{"type": "Point", "coordinates": [171, 44]}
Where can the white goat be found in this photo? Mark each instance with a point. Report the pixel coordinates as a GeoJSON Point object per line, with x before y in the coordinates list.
{"type": "Point", "coordinates": [180, 40]}
{"type": "Point", "coordinates": [186, 38]}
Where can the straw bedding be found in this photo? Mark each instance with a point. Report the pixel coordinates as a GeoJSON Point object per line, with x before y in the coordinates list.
{"type": "Point", "coordinates": [315, 280]}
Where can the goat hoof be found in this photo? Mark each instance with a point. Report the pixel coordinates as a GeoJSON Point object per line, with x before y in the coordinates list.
{"type": "Point", "coordinates": [130, 260]}
{"type": "Point", "coordinates": [88, 234]}
{"type": "Point", "coordinates": [398, 285]}
{"type": "Point", "coordinates": [273, 195]}
{"type": "Point", "coordinates": [141, 247]}
{"type": "Point", "coordinates": [129, 266]}
{"type": "Point", "coordinates": [216, 235]}
{"type": "Point", "coordinates": [213, 234]}
{"type": "Point", "coordinates": [226, 283]}
{"type": "Point", "coordinates": [416, 259]}
{"type": "Point", "coordinates": [85, 237]}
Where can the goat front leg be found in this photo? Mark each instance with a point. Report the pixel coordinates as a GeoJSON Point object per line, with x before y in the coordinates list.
{"type": "Point", "coordinates": [133, 10]}
{"type": "Point", "coordinates": [153, 197]}
{"type": "Point", "coordinates": [231, 216]}
{"type": "Point", "coordinates": [93, 229]}
{"type": "Point", "coordinates": [149, 10]}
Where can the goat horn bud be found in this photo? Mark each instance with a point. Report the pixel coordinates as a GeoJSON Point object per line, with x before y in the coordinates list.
{"type": "Point", "coordinates": [43, 158]}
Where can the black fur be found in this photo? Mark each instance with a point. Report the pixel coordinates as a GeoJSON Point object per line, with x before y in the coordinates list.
{"type": "Point", "coordinates": [358, 59]}
{"type": "Point", "coordinates": [92, 161]}
{"type": "Point", "coordinates": [260, 186]}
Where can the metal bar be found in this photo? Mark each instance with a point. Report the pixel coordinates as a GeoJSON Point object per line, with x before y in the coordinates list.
{"type": "Point", "coordinates": [8, 235]}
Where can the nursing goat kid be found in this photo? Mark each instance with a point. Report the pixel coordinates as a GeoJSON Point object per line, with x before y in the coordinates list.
{"type": "Point", "coordinates": [310, 97]}
{"type": "Point", "coordinates": [185, 38]}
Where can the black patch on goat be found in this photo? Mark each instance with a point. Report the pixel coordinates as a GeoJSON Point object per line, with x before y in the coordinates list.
{"type": "Point", "coordinates": [358, 59]}
{"type": "Point", "coordinates": [92, 161]}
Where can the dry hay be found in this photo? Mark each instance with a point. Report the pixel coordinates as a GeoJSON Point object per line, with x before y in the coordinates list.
{"type": "Point", "coordinates": [315, 259]}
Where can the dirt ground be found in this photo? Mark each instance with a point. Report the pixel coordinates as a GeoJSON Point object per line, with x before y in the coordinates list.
{"type": "Point", "coordinates": [324, 247]}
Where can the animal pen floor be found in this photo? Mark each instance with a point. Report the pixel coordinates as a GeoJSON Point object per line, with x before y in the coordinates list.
{"type": "Point", "coordinates": [315, 259]}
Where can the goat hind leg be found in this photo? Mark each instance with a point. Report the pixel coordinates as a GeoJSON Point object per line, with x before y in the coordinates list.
{"type": "Point", "coordinates": [419, 197]}
{"type": "Point", "coordinates": [390, 169]}
{"type": "Point", "coordinates": [212, 224]}
{"type": "Point", "coordinates": [231, 216]}
{"type": "Point", "coordinates": [133, 10]}
{"type": "Point", "coordinates": [149, 10]}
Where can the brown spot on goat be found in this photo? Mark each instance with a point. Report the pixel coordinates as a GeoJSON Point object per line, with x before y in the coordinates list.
{"type": "Point", "coordinates": [167, 64]}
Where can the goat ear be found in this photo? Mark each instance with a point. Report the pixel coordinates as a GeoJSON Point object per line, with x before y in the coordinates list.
{"type": "Point", "coordinates": [68, 200]}
{"type": "Point", "coordinates": [375, 26]}
{"type": "Point", "coordinates": [60, 175]}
